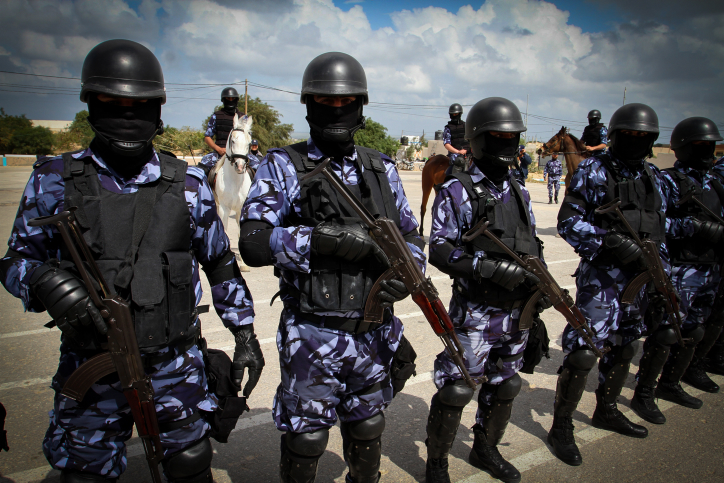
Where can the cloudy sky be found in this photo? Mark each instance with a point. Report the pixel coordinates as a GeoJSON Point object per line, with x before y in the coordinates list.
{"type": "Point", "coordinates": [566, 57]}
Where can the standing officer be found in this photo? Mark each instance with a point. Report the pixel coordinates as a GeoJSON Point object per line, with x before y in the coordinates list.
{"type": "Point", "coordinates": [488, 291]}
{"type": "Point", "coordinates": [453, 138]}
{"type": "Point", "coordinates": [255, 155]}
{"type": "Point", "coordinates": [333, 364]}
{"type": "Point", "coordinates": [595, 135]}
{"type": "Point", "coordinates": [554, 171]}
{"type": "Point", "coordinates": [220, 125]}
{"type": "Point", "coordinates": [523, 162]}
{"type": "Point", "coordinates": [609, 260]}
{"type": "Point", "coordinates": [113, 183]}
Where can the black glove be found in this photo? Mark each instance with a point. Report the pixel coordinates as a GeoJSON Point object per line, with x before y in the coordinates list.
{"type": "Point", "coordinates": [710, 231]}
{"type": "Point", "coordinates": [392, 291]}
{"type": "Point", "coordinates": [349, 242]}
{"type": "Point", "coordinates": [543, 303]}
{"type": "Point", "coordinates": [66, 299]}
{"type": "Point", "coordinates": [505, 273]}
{"type": "Point", "coordinates": [247, 354]}
{"type": "Point", "coordinates": [622, 247]}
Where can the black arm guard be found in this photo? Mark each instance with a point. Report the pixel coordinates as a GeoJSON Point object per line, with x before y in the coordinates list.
{"type": "Point", "coordinates": [254, 245]}
{"type": "Point", "coordinates": [505, 273]}
{"type": "Point", "coordinates": [440, 259]}
{"type": "Point", "coordinates": [220, 270]}
{"type": "Point", "coordinates": [57, 289]}
{"type": "Point", "coordinates": [709, 231]}
{"type": "Point", "coordinates": [622, 247]}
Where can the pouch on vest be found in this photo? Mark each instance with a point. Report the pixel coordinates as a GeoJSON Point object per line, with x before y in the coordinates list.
{"type": "Point", "coordinates": [537, 346]}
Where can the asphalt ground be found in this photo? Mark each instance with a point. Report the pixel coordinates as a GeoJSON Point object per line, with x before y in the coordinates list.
{"type": "Point", "coordinates": [689, 447]}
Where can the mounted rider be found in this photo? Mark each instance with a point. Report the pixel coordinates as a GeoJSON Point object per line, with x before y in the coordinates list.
{"type": "Point", "coordinates": [453, 137]}
{"type": "Point", "coordinates": [255, 155]}
{"type": "Point", "coordinates": [595, 135]}
{"type": "Point", "coordinates": [219, 127]}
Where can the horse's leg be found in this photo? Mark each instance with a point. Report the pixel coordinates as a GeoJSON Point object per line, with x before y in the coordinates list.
{"type": "Point", "coordinates": [427, 182]}
{"type": "Point", "coordinates": [243, 191]}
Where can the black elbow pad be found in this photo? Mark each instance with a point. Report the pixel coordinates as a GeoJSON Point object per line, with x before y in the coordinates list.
{"type": "Point", "coordinates": [254, 248]}
{"type": "Point", "coordinates": [220, 271]}
{"type": "Point", "coordinates": [440, 259]}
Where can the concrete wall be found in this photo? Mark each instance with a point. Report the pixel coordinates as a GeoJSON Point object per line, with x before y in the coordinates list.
{"type": "Point", "coordinates": [18, 160]}
{"type": "Point", "coordinates": [55, 126]}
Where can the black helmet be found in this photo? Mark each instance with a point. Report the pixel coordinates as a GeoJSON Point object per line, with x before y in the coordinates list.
{"type": "Point", "coordinates": [455, 109]}
{"type": "Point", "coordinates": [635, 117]}
{"type": "Point", "coordinates": [229, 92]}
{"type": "Point", "coordinates": [694, 129]}
{"type": "Point", "coordinates": [334, 74]}
{"type": "Point", "coordinates": [494, 114]}
{"type": "Point", "coordinates": [122, 68]}
{"type": "Point", "coordinates": [594, 114]}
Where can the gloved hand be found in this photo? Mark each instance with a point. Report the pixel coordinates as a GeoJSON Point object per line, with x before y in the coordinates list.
{"type": "Point", "coordinates": [247, 354]}
{"type": "Point", "coordinates": [544, 303]}
{"type": "Point", "coordinates": [710, 231]}
{"type": "Point", "coordinates": [349, 242]}
{"type": "Point", "coordinates": [66, 299]}
{"type": "Point", "coordinates": [622, 247]}
{"type": "Point", "coordinates": [392, 291]}
{"type": "Point", "coordinates": [505, 273]}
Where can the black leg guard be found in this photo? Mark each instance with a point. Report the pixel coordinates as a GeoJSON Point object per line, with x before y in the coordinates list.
{"type": "Point", "coordinates": [362, 442]}
{"type": "Point", "coordinates": [656, 351]}
{"type": "Point", "coordinates": [446, 410]}
{"type": "Point", "coordinates": [607, 415]}
{"type": "Point", "coordinates": [695, 374]}
{"type": "Point", "coordinates": [69, 476]}
{"type": "Point", "coordinates": [714, 361]}
{"type": "Point", "coordinates": [669, 387]}
{"type": "Point", "coordinates": [485, 454]}
{"type": "Point", "coordinates": [570, 387]}
{"type": "Point", "coordinates": [190, 465]}
{"type": "Point", "coordinates": [300, 455]}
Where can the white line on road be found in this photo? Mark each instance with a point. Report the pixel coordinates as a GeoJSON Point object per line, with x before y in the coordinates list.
{"type": "Point", "coordinates": [10, 335]}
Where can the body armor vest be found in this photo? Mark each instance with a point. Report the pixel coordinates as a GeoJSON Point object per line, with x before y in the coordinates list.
{"type": "Point", "coordinates": [684, 251]}
{"type": "Point", "coordinates": [153, 268]}
{"type": "Point", "coordinates": [641, 205]}
{"type": "Point", "coordinates": [508, 221]}
{"type": "Point", "coordinates": [592, 135]}
{"type": "Point", "coordinates": [224, 125]}
{"type": "Point", "coordinates": [457, 135]}
{"type": "Point", "coordinates": [334, 284]}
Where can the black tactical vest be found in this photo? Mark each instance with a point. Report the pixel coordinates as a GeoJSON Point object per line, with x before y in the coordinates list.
{"type": "Point", "coordinates": [641, 204]}
{"type": "Point", "coordinates": [684, 251]}
{"type": "Point", "coordinates": [592, 135]}
{"type": "Point", "coordinates": [457, 135]}
{"type": "Point", "coordinates": [224, 125]}
{"type": "Point", "coordinates": [334, 284]}
{"type": "Point", "coordinates": [158, 280]}
{"type": "Point", "coordinates": [508, 221]}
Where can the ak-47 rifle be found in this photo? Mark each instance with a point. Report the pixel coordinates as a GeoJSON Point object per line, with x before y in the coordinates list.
{"type": "Point", "coordinates": [404, 267]}
{"type": "Point", "coordinates": [653, 273]}
{"type": "Point", "coordinates": [122, 356]}
{"type": "Point", "coordinates": [546, 287]}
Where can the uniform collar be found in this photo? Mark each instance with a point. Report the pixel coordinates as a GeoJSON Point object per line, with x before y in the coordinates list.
{"type": "Point", "coordinates": [150, 172]}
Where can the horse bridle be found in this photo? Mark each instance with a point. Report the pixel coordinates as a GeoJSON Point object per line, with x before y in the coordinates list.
{"type": "Point", "coordinates": [233, 157]}
{"type": "Point", "coordinates": [560, 141]}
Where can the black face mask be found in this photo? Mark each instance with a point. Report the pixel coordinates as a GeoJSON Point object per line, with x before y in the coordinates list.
{"type": "Point", "coordinates": [455, 118]}
{"type": "Point", "coordinates": [124, 135]}
{"type": "Point", "coordinates": [632, 150]}
{"type": "Point", "coordinates": [495, 150]}
{"type": "Point", "coordinates": [593, 121]}
{"type": "Point", "coordinates": [254, 150]}
{"type": "Point", "coordinates": [493, 171]}
{"type": "Point", "coordinates": [697, 156]}
{"type": "Point", "coordinates": [230, 107]}
{"type": "Point", "coordinates": [333, 128]}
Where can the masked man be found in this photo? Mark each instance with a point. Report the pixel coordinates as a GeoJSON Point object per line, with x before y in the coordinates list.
{"type": "Point", "coordinates": [453, 138]}
{"type": "Point", "coordinates": [553, 172]}
{"type": "Point", "coordinates": [114, 184]}
{"type": "Point", "coordinates": [595, 135]}
{"type": "Point", "coordinates": [219, 127]}
{"type": "Point", "coordinates": [333, 364]}
{"type": "Point", "coordinates": [488, 291]}
{"type": "Point", "coordinates": [609, 260]}
{"type": "Point", "coordinates": [255, 156]}
{"type": "Point", "coordinates": [695, 242]}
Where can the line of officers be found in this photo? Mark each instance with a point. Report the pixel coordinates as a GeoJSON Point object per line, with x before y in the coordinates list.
{"type": "Point", "coordinates": [333, 366]}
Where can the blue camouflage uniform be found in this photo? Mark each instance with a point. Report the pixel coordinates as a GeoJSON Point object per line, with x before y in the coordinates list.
{"type": "Point", "coordinates": [481, 328]}
{"type": "Point", "coordinates": [447, 139]}
{"type": "Point", "coordinates": [322, 369]}
{"type": "Point", "coordinates": [603, 133]}
{"type": "Point", "coordinates": [90, 436]}
{"type": "Point", "coordinates": [210, 159]}
{"type": "Point", "coordinates": [255, 160]}
{"type": "Point", "coordinates": [554, 170]}
{"type": "Point", "coordinates": [599, 286]}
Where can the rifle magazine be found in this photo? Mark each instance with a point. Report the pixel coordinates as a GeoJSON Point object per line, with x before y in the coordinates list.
{"type": "Point", "coordinates": [88, 374]}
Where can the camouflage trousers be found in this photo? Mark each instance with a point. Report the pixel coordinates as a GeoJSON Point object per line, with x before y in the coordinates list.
{"type": "Point", "coordinates": [554, 183]}
{"type": "Point", "coordinates": [91, 435]}
{"type": "Point", "coordinates": [697, 286]}
{"type": "Point", "coordinates": [487, 334]}
{"type": "Point", "coordinates": [210, 159]}
{"type": "Point", "coordinates": [327, 373]}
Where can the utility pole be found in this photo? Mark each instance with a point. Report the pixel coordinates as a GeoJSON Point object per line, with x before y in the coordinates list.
{"type": "Point", "coordinates": [624, 96]}
{"type": "Point", "coordinates": [526, 111]}
{"type": "Point", "coordinates": [246, 96]}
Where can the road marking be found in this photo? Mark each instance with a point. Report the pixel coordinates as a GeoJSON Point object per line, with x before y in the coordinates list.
{"type": "Point", "coordinates": [568, 260]}
{"type": "Point", "coordinates": [10, 335]}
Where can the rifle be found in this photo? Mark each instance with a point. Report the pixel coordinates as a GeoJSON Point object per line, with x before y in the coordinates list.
{"type": "Point", "coordinates": [404, 267]}
{"type": "Point", "coordinates": [123, 355]}
{"type": "Point", "coordinates": [654, 272]}
{"type": "Point", "coordinates": [690, 196]}
{"type": "Point", "coordinates": [546, 287]}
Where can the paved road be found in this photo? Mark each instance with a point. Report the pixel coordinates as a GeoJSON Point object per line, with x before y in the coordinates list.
{"type": "Point", "coordinates": [688, 448]}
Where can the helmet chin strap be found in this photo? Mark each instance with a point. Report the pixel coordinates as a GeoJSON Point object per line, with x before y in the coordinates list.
{"type": "Point", "coordinates": [337, 134]}
{"type": "Point", "coordinates": [127, 148]}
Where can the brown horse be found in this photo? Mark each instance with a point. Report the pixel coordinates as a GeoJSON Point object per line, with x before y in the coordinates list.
{"type": "Point", "coordinates": [432, 174]}
{"type": "Point", "coordinates": [570, 146]}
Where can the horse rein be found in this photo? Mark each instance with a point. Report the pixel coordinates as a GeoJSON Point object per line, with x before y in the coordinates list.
{"type": "Point", "coordinates": [233, 158]}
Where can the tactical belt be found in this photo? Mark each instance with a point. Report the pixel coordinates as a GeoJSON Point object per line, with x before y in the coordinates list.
{"type": "Point", "coordinates": [174, 425]}
{"type": "Point", "coordinates": [151, 360]}
{"type": "Point", "coordinates": [503, 305]}
{"type": "Point", "coordinates": [354, 326]}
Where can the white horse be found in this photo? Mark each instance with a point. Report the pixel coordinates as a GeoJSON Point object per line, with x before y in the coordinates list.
{"type": "Point", "coordinates": [233, 178]}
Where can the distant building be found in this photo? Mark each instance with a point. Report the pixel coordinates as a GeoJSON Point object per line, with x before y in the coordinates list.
{"type": "Point", "coordinates": [55, 126]}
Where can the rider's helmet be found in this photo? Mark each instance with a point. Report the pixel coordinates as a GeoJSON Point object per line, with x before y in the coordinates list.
{"type": "Point", "coordinates": [631, 149]}
{"type": "Point", "coordinates": [494, 114]}
{"type": "Point", "coordinates": [229, 92]}
{"type": "Point", "coordinates": [594, 117]}
{"type": "Point", "coordinates": [697, 155]}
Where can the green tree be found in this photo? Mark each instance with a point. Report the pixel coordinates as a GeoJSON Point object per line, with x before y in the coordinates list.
{"type": "Point", "coordinates": [18, 136]}
{"type": "Point", "coordinates": [184, 140]}
{"type": "Point", "coordinates": [375, 136]}
{"type": "Point", "coordinates": [78, 135]}
{"type": "Point", "coordinates": [266, 128]}
{"type": "Point", "coordinates": [423, 141]}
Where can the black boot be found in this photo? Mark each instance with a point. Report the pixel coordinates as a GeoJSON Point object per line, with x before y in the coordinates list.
{"type": "Point", "coordinates": [556, 199]}
{"type": "Point", "coordinates": [669, 387]}
{"type": "Point", "coordinates": [695, 374]}
{"type": "Point", "coordinates": [607, 416]}
{"type": "Point", "coordinates": [442, 427]}
{"type": "Point", "coordinates": [672, 391]}
{"type": "Point", "coordinates": [487, 457]}
{"type": "Point", "coordinates": [656, 351]}
{"type": "Point", "coordinates": [714, 362]}
{"type": "Point", "coordinates": [362, 444]}
{"type": "Point", "coordinates": [550, 200]}
{"type": "Point", "coordinates": [643, 403]}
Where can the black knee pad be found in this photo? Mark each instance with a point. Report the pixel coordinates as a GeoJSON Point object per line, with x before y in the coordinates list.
{"type": "Point", "coordinates": [366, 429]}
{"type": "Point", "coordinates": [625, 353]}
{"type": "Point", "coordinates": [192, 464]}
{"type": "Point", "coordinates": [696, 333]}
{"type": "Point", "coordinates": [664, 335]}
{"type": "Point", "coordinates": [70, 476]}
{"type": "Point", "coordinates": [509, 388]}
{"type": "Point", "coordinates": [456, 394]}
{"type": "Point", "coordinates": [581, 359]}
{"type": "Point", "coordinates": [307, 444]}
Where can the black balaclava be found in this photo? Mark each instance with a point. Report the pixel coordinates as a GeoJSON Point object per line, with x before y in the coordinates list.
{"type": "Point", "coordinates": [632, 150]}
{"type": "Point", "coordinates": [455, 118]}
{"type": "Point", "coordinates": [593, 121]}
{"type": "Point", "coordinates": [254, 149]}
{"type": "Point", "coordinates": [230, 106]}
{"type": "Point", "coordinates": [333, 128]}
{"type": "Point", "coordinates": [124, 134]}
{"type": "Point", "coordinates": [697, 156]}
{"type": "Point", "coordinates": [494, 156]}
